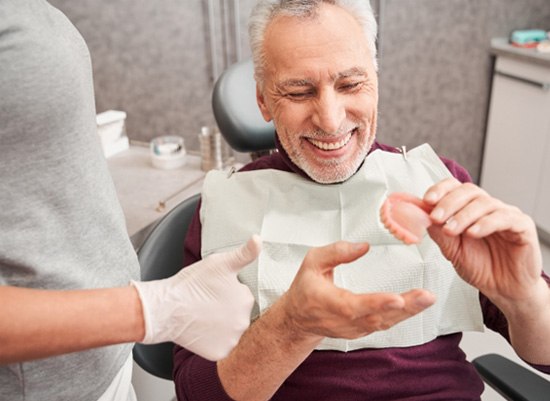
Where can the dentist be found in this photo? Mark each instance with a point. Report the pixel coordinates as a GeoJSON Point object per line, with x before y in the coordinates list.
{"type": "Point", "coordinates": [67, 295]}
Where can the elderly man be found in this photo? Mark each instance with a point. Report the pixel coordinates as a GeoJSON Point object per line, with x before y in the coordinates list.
{"type": "Point", "coordinates": [321, 333]}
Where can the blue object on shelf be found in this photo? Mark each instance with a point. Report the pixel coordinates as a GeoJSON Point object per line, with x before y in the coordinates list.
{"type": "Point", "coordinates": [528, 36]}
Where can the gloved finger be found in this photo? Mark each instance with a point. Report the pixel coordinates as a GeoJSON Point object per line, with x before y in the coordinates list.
{"type": "Point", "coordinates": [238, 258]}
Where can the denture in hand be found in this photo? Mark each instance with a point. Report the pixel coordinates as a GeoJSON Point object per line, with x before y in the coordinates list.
{"type": "Point", "coordinates": [406, 217]}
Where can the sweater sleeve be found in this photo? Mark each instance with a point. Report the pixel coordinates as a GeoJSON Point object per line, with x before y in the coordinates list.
{"type": "Point", "coordinates": [196, 379]}
{"type": "Point", "coordinates": [459, 172]}
{"type": "Point", "coordinates": [493, 318]}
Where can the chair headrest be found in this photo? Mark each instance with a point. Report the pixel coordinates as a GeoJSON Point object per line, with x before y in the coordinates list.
{"type": "Point", "coordinates": [237, 113]}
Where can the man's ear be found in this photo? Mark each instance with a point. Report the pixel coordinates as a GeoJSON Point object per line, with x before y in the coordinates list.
{"type": "Point", "coordinates": [261, 104]}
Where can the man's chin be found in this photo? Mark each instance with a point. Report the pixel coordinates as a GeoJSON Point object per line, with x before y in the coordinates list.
{"type": "Point", "coordinates": [330, 174]}
{"type": "Point", "coordinates": [330, 170]}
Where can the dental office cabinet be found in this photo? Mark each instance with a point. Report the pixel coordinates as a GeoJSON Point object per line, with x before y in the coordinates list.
{"type": "Point", "coordinates": [516, 161]}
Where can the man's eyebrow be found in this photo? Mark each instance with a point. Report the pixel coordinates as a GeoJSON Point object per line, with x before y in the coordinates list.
{"type": "Point", "coordinates": [352, 72]}
{"type": "Point", "coordinates": [301, 82]}
{"type": "Point", "coordinates": [295, 82]}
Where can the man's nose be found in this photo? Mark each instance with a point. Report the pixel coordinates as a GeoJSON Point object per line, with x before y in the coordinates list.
{"type": "Point", "coordinates": [329, 112]}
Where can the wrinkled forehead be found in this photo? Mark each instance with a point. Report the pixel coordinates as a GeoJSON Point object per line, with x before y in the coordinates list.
{"type": "Point", "coordinates": [332, 40]}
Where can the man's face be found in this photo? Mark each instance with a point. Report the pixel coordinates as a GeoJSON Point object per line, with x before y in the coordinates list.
{"type": "Point", "coordinates": [321, 90]}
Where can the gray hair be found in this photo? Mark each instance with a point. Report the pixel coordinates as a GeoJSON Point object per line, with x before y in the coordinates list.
{"type": "Point", "coordinates": [266, 10]}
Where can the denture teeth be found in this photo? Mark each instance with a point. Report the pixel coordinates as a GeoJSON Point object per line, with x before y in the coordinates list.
{"type": "Point", "coordinates": [331, 145]}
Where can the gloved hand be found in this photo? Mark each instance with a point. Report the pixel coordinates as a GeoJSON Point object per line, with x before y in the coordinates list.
{"type": "Point", "coordinates": [203, 308]}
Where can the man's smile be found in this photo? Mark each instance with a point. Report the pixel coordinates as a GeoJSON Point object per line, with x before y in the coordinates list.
{"type": "Point", "coordinates": [332, 145]}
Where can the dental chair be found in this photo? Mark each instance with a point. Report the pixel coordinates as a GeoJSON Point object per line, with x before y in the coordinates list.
{"type": "Point", "coordinates": [237, 114]}
{"type": "Point", "coordinates": [510, 380]}
{"type": "Point", "coordinates": [161, 254]}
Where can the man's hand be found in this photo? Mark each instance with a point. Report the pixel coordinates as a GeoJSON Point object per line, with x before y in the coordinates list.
{"type": "Point", "coordinates": [203, 308]}
{"type": "Point", "coordinates": [492, 245]}
{"type": "Point", "coordinates": [315, 307]}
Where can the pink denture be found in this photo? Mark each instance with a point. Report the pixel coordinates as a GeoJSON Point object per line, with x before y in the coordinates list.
{"type": "Point", "coordinates": [406, 217]}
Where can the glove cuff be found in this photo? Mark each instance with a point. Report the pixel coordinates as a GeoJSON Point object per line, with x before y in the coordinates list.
{"type": "Point", "coordinates": [139, 286]}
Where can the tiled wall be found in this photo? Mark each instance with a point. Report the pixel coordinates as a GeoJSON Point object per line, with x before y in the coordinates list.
{"type": "Point", "coordinates": [153, 60]}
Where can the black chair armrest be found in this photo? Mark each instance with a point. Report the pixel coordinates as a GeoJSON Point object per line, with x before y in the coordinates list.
{"type": "Point", "coordinates": [514, 382]}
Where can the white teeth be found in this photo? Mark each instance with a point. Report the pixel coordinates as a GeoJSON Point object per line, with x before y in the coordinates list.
{"type": "Point", "coordinates": [331, 145]}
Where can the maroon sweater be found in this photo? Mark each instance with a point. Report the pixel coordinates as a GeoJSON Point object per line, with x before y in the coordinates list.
{"type": "Point", "coordinates": [437, 370]}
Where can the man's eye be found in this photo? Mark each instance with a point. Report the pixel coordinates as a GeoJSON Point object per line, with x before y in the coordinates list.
{"type": "Point", "coordinates": [351, 86]}
{"type": "Point", "coordinates": [298, 95]}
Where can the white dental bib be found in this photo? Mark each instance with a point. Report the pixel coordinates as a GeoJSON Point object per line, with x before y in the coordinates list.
{"type": "Point", "coordinates": [293, 214]}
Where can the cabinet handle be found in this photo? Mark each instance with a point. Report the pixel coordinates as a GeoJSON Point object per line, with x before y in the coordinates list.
{"type": "Point", "coordinates": [542, 85]}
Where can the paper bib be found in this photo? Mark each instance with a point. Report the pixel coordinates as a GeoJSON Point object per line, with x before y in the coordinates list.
{"type": "Point", "coordinates": [293, 214]}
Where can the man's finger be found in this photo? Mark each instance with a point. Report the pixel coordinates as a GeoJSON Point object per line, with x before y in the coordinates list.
{"type": "Point", "coordinates": [439, 190]}
{"type": "Point", "coordinates": [355, 306]}
{"type": "Point", "coordinates": [327, 257]}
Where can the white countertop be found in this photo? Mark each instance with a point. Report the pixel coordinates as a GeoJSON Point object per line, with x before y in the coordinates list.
{"type": "Point", "coordinates": [140, 187]}
{"type": "Point", "coordinates": [502, 47]}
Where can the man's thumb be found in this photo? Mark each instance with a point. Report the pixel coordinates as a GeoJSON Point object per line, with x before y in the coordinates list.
{"type": "Point", "coordinates": [330, 256]}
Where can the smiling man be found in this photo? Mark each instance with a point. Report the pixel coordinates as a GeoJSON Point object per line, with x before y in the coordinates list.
{"type": "Point", "coordinates": [321, 91]}
{"type": "Point", "coordinates": [321, 333]}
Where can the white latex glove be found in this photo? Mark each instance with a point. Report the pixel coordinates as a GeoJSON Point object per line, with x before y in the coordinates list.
{"type": "Point", "coordinates": [203, 308]}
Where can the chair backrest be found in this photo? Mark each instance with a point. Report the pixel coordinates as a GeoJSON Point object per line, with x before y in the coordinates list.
{"type": "Point", "coordinates": [161, 256]}
{"type": "Point", "coordinates": [237, 113]}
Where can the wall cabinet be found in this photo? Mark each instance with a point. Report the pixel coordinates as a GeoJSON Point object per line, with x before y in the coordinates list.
{"type": "Point", "coordinates": [516, 162]}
